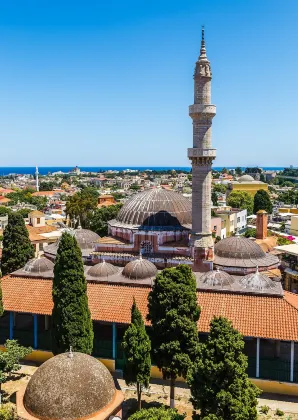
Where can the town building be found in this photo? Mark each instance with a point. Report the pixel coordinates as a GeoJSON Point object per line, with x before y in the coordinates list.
{"type": "Point", "coordinates": [234, 220]}
{"type": "Point", "coordinates": [248, 184]}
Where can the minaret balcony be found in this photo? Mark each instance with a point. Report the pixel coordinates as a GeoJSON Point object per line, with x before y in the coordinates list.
{"type": "Point", "coordinates": [202, 109]}
{"type": "Point", "coordinates": [198, 152]}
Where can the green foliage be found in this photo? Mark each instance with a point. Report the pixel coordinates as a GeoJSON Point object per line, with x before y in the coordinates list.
{"type": "Point", "coordinates": [8, 412]}
{"type": "Point", "coordinates": [224, 171]}
{"type": "Point", "coordinates": [25, 196]}
{"type": "Point", "coordinates": [262, 202]}
{"type": "Point", "coordinates": [134, 187]}
{"type": "Point", "coordinates": [241, 200]}
{"type": "Point", "coordinates": [214, 198]}
{"type": "Point", "coordinates": [283, 241]}
{"type": "Point", "coordinates": [279, 412]}
{"type": "Point", "coordinates": [219, 188]}
{"type": "Point", "coordinates": [289, 197]}
{"type": "Point", "coordinates": [4, 211]}
{"type": "Point", "coordinates": [264, 409]}
{"type": "Point", "coordinates": [290, 172]}
{"type": "Point", "coordinates": [218, 380]}
{"type": "Point", "coordinates": [1, 299]}
{"type": "Point", "coordinates": [157, 414]}
{"type": "Point", "coordinates": [250, 233]}
{"type": "Point", "coordinates": [254, 170]}
{"type": "Point", "coordinates": [72, 324]}
{"type": "Point", "coordinates": [137, 347]}
{"type": "Point", "coordinates": [17, 248]}
{"type": "Point", "coordinates": [238, 171]}
{"type": "Point", "coordinates": [118, 196]}
{"type": "Point", "coordinates": [174, 312]}
{"type": "Point", "coordinates": [47, 186]}
{"type": "Point", "coordinates": [101, 216]}
{"type": "Point", "coordinates": [10, 358]}
{"type": "Point", "coordinates": [24, 212]}
{"type": "Point", "coordinates": [81, 206]}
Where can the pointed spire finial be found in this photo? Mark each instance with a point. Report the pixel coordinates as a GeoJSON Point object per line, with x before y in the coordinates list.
{"type": "Point", "coordinates": [203, 46]}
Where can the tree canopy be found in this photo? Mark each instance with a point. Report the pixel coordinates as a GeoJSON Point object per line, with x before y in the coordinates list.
{"type": "Point", "coordinates": [218, 380]}
{"type": "Point", "coordinates": [81, 206]}
{"type": "Point", "coordinates": [137, 347]}
{"type": "Point", "coordinates": [219, 188]}
{"type": "Point", "coordinates": [72, 324]}
{"type": "Point", "coordinates": [4, 211]}
{"type": "Point", "coordinates": [25, 196]}
{"type": "Point", "coordinates": [174, 312]}
{"type": "Point", "coordinates": [262, 201]}
{"type": "Point", "coordinates": [241, 200]}
{"type": "Point", "coordinates": [17, 248]}
{"type": "Point", "coordinates": [155, 413]}
{"type": "Point", "coordinates": [100, 217]}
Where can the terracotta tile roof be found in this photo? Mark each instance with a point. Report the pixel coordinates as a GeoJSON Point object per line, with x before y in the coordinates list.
{"type": "Point", "coordinates": [39, 230]}
{"type": "Point", "coordinates": [254, 316]}
{"type": "Point", "coordinates": [36, 213]}
{"type": "Point", "coordinates": [44, 193]}
{"type": "Point", "coordinates": [4, 200]}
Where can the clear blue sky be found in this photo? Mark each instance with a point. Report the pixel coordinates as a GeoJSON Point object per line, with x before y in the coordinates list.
{"type": "Point", "coordinates": [109, 82]}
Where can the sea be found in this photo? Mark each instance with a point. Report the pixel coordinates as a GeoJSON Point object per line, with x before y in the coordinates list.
{"type": "Point", "coordinates": [45, 170]}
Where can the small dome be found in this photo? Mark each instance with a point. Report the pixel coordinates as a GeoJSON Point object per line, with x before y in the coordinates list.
{"type": "Point", "coordinates": [102, 270]}
{"type": "Point", "coordinates": [217, 279]}
{"type": "Point", "coordinates": [86, 238]}
{"type": "Point", "coordinates": [69, 386]}
{"type": "Point", "coordinates": [156, 207]}
{"type": "Point", "coordinates": [238, 247]}
{"type": "Point", "coordinates": [246, 178]}
{"type": "Point", "coordinates": [38, 266]}
{"type": "Point", "coordinates": [139, 269]}
{"type": "Point", "coordinates": [257, 282]}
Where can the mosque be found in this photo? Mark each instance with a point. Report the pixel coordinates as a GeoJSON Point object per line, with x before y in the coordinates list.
{"type": "Point", "coordinates": [153, 230]}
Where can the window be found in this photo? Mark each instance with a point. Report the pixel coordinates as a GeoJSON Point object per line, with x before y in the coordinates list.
{"type": "Point", "coordinates": [38, 220]}
{"type": "Point", "coordinates": [238, 219]}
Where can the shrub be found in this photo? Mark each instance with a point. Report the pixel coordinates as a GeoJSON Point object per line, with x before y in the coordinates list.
{"type": "Point", "coordinates": [279, 412]}
{"type": "Point", "coordinates": [264, 409]}
{"type": "Point", "coordinates": [157, 414]}
{"type": "Point", "coordinates": [7, 412]}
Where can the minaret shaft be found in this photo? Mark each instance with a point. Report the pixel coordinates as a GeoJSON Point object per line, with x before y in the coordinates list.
{"type": "Point", "coordinates": [201, 156]}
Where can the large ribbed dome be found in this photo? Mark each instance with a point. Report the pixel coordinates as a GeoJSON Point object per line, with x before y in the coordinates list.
{"type": "Point", "coordinates": [216, 279]}
{"type": "Point", "coordinates": [156, 207]}
{"type": "Point", "coordinates": [237, 251]}
{"type": "Point", "coordinates": [139, 269]}
{"type": "Point", "coordinates": [69, 386]}
{"type": "Point", "coordinates": [86, 238]}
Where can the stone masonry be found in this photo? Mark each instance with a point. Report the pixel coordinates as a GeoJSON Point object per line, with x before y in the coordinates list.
{"type": "Point", "coordinates": [201, 155]}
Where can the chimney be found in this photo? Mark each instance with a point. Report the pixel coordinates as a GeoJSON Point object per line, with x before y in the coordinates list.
{"type": "Point", "coordinates": [262, 221]}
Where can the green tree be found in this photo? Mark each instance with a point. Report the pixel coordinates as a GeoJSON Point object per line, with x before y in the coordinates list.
{"type": "Point", "coordinates": [154, 413]}
{"type": "Point", "coordinates": [224, 170]}
{"type": "Point", "coordinates": [137, 347]}
{"type": "Point", "coordinates": [241, 200]}
{"type": "Point", "coordinates": [24, 212]}
{"type": "Point", "coordinates": [8, 412]}
{"type": "Point", "coordinates": [100, 217]}
{"type": "Point", "coordinates": [262, 202]}
{"type": "Point", "coordinates": [219, 188]}
{"type": "Point", "coordinates": [238, 171]}
{"type": "Point", "coordinates": [17, 248]}
{"type": "Point", "coordinates": [218, 380]}
{"type": "Point", "coordinates": [72, 324]}
{"type": "Point", "coordinates": [174, 312]}
{"type": "Point", "coordinates": [214, 198]}
{"type": "Point", "coordinates": [250, 233]}
{"type": "Point", "coordinates": [10, 359]}
{"type": "Point", "coordinates": [4, 211]}
{"type": "Point", "coordinates": [81, 206]}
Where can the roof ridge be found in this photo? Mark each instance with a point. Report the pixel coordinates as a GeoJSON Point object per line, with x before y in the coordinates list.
{"type": "Point", "coordinates": [286, 292]}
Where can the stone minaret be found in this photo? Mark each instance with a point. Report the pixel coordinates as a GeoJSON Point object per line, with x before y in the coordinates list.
{"type": "Point", "coordinates": [201, 156]}
{"type": "Point", "coordinates": [36, 179]}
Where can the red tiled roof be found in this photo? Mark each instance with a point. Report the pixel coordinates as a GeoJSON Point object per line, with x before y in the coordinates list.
{"type": "Point", "coordinates": [254, 316]}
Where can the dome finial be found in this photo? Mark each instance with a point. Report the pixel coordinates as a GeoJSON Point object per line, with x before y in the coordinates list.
{"type": "Point", "coordinates": [70, 353]}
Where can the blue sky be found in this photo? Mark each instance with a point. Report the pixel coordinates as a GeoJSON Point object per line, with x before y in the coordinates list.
{"type": "Point", "coordinates": [109, 82]}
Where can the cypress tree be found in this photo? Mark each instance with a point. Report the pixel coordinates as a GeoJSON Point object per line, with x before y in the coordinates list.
{"type": "Point", "coordinates": [218, 380]}
{"type": "Point", "coordinates": [17, 248]}
{"type": "Point", "coordinates": [137, 347]}
{"type": "Point", "coordinates": [72, 324]}
{"type": "Point", "coordinates": [262, 201]}
{"type": "Point", "coordinates": [174, 312]}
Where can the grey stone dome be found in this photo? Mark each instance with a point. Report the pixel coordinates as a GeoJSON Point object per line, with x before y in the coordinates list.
{"type": "Point", "coordinates": [156, 207]}
{"type": "Point", "coordinates": [216, 279]}
{"type": "Point", "coordinates": [239, 252]}
{"type": "Point", "coordinates": [86, 239]}
{"type": "Point", "coordinates": [238, 247]}
{"type": "Point", "coordinates": [38, 266]}
{"type": "Point", "coordinates": [68, 387]}
{"type": "Point", "coordinates": [139, 269]}
{"type": "Point", "coordinates": [102, 270]}
{"type": "Point", "coordinates": [246, 178]}
{"type": "Point", "coordinates": [258, 282]}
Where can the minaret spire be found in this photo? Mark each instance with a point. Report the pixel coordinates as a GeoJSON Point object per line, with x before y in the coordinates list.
{"type": "Point", "coordinates": [202, 155]}
{"type": "Point", "coordinates": [36, 179]}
